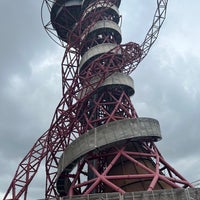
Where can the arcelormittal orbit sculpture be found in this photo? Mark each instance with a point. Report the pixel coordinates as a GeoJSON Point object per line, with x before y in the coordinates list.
{"type": "Point", "coordinates": [96, 142]}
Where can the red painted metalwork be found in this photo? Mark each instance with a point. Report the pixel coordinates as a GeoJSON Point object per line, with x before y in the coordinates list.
{"type": "Point", "coordinates": [102, 177]}
{"type": "Point", "coordinates": [74, 115]}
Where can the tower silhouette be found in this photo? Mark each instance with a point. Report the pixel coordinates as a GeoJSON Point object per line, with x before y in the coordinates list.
{"type": "Point", "coordinates": [96, 142]}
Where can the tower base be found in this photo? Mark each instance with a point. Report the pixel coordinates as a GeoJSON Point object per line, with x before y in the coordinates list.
{"type": "Point", "coordinates": [174, 194]}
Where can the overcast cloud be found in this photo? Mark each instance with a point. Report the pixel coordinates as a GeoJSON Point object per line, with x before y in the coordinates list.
{"type": "Point", "coordinates": [166, 82]}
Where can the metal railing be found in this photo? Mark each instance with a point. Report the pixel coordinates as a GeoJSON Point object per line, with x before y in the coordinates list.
{"type": "Point", "coordinates": [171, 194]}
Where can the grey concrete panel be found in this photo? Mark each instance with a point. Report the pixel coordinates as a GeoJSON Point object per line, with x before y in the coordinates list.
{"type": "Point", "coordinates": [96, 51]}
{"type": "Point", "coordinates": [102, 136]}
{"type": "Point", "coordinates": [121, 79]}
{"type": "Point", "coordinates": [99, 5]}
{"type": "Point", "coordinates": [116, 79]}
{"type": "Point", "coordinates": [108, 26]}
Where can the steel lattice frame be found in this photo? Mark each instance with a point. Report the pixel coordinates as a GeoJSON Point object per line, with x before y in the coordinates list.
{"type": "Point", "coordinates": [173, 178]}
{"type": "Point", "coordinates": [66, 126]}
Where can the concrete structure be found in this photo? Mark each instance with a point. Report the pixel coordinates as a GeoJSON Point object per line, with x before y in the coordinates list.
{"type": "Point", "coordinates": [103, 137]}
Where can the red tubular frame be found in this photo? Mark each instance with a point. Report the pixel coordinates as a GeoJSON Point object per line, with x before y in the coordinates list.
{"type": "Point", "coordinates": [162, 172]}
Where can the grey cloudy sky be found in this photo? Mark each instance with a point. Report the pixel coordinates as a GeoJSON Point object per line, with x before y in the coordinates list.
{"type": "Point", "coordinates": [166, 82]}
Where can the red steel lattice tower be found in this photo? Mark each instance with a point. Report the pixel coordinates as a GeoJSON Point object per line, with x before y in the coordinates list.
{"type": "Point", "coordinates": [96, 142]}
